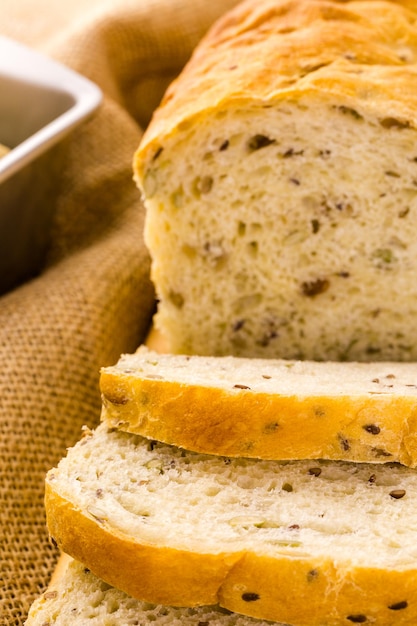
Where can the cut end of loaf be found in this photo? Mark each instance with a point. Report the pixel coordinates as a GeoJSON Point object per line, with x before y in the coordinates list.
{"type": "Point", "coordinates": [293, 229]}
{"type": "Point", "coordinates": [280, 174]}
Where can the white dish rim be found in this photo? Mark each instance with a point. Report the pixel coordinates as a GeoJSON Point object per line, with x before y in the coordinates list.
{"type": "Point", "coordinates": [24, 64]}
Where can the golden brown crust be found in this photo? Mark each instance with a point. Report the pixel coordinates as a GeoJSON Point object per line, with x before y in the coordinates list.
{"type": "Point", "coordinates": [302, 591]}
{"type": "Point", "coordinates": [376, 428]}
{"type": "Point", "coordinates": [358, 52]}
{"type": "Point", "coordinates": [325, 593]}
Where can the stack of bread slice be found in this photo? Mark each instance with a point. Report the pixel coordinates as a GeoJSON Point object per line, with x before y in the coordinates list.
{"type": "Point", "coordinates": [227, 490]}
{"type": "Point", "coordinates": [279, 178]}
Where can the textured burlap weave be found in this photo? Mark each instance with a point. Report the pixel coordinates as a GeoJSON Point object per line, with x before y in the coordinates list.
{"type": "Point", "coordinates": [94, 299]}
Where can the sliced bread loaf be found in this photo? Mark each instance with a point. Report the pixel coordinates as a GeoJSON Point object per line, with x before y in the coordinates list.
{"type": "Point", "coordinates": [266, 408]}
{"type": "Point", "coordinates": [280, 172]}
{"type": "Point", "coordinates": [79, 598]}
{"type": "Point", "coordinates": [306, 543]}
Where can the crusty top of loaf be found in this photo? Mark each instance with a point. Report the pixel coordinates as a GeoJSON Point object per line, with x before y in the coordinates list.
{"type": "Point", "coordinates": [359, 50]}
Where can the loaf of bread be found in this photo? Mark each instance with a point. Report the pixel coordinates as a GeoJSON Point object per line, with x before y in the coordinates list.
{"type": "Point", "coordinates": [81, 599]}
{"type": "Point", "coordinates": [306, 543]}
{"type": "Point", "coordinates": [280, 180]}
{"type": "Point", "coordinates": [266, 408]}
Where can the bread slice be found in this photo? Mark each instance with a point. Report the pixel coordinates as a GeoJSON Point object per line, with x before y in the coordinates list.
{"type": "Point", "coordinates": [266, 408]}
{"type": "Point", "coordinates": [280, 172]}
{"type": "Point", "coordinates": [307, 543]}
{"type": "Point", "coordinates": [79, 598]}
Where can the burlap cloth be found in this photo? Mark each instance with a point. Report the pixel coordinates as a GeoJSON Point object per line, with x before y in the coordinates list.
{"type": "Point", "coordinates": [94, 299]}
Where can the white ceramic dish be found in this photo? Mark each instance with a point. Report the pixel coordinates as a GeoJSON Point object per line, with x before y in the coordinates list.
{"type": "Point", "coordinates": [41, 102]}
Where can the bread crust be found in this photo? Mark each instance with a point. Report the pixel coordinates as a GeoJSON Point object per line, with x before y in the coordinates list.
{"type": "Point", "coordinates": [299, 591]}
{"type": "Point", "coordinates": [277, 425]}
{"type": "Point", "coordinates": [262, 53]}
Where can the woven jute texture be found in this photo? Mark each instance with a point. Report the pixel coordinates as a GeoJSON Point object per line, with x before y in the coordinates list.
{"type": "Point", "coordinates": [93, 300]}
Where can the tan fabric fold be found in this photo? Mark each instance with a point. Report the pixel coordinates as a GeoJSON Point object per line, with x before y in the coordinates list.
{"type": "Point", "coordinates": [94, 299]}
